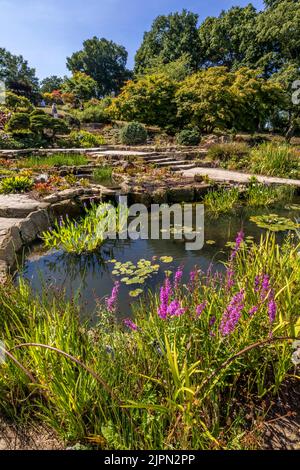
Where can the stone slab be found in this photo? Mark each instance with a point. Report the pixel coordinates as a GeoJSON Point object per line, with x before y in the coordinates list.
{"type": "Point", "coordinates": [19, 205]}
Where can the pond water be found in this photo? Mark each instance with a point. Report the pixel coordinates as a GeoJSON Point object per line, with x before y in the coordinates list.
{"type": "Point", "coordinates": [90, 277]}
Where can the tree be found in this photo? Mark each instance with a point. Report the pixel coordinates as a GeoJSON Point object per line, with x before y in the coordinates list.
{"type": "Point", "coordinates": [177, 70]}
{"type": "Point", "coordinates": [150, 100]}
{"type": "Point", "coordinates": [278, 36]}
{"type": "Point", "coordinates": [217, 98]}
{"type": "Point", "coordinates": [169, 39]}
{"type": "Point", "coordinates": [18, 76]}
{"type": "Point", "coordinates": [230, 40]}
{"type": "Point", "coordinates": [81, 85]}
{"type": "Point", "coordinates": [51, 83]}
{"type": "Point", "coordinates": [104, 61]}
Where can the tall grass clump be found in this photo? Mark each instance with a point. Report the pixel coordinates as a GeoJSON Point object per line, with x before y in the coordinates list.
{"type": "Point", "coordinates": [183, 373]}
{"type": "Point", "coordinates": [262, 195]}
{"type": "Point", "coordinates": [87, 234]}
{"type": "Point", "coordinates": [275, 160]}
{"type": "Point", "coordinates": [222, 200]}
{"type": "Point", "coordinates": [57, 159]}
{"type": "Point", "coordinates": [103, 174]}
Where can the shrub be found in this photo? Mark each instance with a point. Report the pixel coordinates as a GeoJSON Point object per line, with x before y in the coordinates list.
{"type": "Point", "coordinates": [274, 160]}
{"type": "Point", "coordinates": [40, 123]}
{"type": "Point", "coordinates": [225, 152]}
{"type": "Point", "coordinates": [17, 103]}
{"type": "Point", "coordinates": [16, 184]}
{"type": "Point", "coordinates": [188, 137]}
{"type": "Point", "coordinates": [133, 133]}
{"type": "Point", "coordinates": [57, 159]}
{"type": "Point", "coordinates": [94, 113]}
{"type": "Point", "coordinates": [86, 139]}
{"type": "Point", "coordinates": [17, 122]}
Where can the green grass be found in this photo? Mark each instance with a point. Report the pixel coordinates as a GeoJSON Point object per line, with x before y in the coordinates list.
{"type": "Point", "coordinates": [57, 159]}
{"type": "Point", "coordinates": [275, 160]}
{"type": "Point", "coordinates": [260, 195]}
{"type": "Point", "coordinates": [174, 383]}
{"type": "Point", "coordinates": [103, 175]}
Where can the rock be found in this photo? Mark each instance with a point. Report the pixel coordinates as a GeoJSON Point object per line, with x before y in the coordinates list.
{"type": "Point", "coordinates": [19, 205]}
{"type": "Point", "coordinates": [66, 207]}
{"type": "Point", "coordinates": [40, 220]}
{"type": "Point", "coordinates": [140, 198]}
{"type": "Point", "coordinates": [159, 196]}
{"type": "Point", "coordinates": [27, 230]}
{"type": "Point", "coordinates": [181, 194]}
{"type": "Point", "coordinates": [10, 244]}
{"type": "Point", "coordinates": [3, 271]}
{"type": "Point", "coordinates": [42, 178]}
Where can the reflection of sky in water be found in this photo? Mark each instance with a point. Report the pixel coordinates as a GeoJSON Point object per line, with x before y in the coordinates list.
{"type": "Point", "coordinates": [90, 276]}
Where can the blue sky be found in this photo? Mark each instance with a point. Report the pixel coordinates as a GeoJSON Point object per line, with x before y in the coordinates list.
{"type": "Point", "coordinates": [46, 32]}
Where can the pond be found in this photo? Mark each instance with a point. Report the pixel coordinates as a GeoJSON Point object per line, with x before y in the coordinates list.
{"type": "Point", "coordinates": [89, 278]}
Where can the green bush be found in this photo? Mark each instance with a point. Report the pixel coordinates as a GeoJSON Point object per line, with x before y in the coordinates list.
{"type": "Point", "coordinates": [86, 139]}
{"type": "Point", "coordinates": [225, 152]}
{"type": "Point", "coordinates": [18, 121]}
{"type": "Point", "coordinates": [17, 103]}
{"type": "Point", "coordinates": [93, 113]}
{"type": "Point", "coordinates": [188, 137]}
{"type": "Point", "coordinates": [133, 133]}
{"type": "Point", "coordinates": [103, 174]}
{"type": "Point", "coordinates": [16, 184]}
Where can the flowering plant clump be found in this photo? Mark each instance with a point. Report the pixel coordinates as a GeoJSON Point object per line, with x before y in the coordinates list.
{"type": "Point", "coordinates": [182, 372]}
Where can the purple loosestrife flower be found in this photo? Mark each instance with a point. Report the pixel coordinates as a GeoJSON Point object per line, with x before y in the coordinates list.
{"type": "Point", "coordinates": [232, 314]}
{"type": "Point", "coordinates": [175, 309]}
{"type": "Point", "coordinates": [212, 320]}
{"type": "Point", "coordinates": [272, 310]}
{"type": "Point", "coordinates": [178, 277]}
{"type": "Point", "coordinates": [111, 302]}
{"type": "Point", "coordinates": [130, 324]}
{"type": "Point", "coordinates": [165, 294]}
{"type": "Point", "coordinates": [229, 278]}
{"type": "Point", "coordinates": [200, 308]}
{"type": "Point", "coordinates": [252, 311]}
{"type": "Point", "coordinates": [238, 241]}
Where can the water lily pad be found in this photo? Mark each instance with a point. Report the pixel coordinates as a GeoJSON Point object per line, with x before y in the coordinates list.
{"type": "Point", "coordinates": [166, 259]}
{"type": "Point", "coordinates": [274, 223]}
{"type": "Point", "coordinates": [136, 292]}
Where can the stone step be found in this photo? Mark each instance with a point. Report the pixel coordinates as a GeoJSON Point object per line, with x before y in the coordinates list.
{"type": "Point", "coordinates": [188, 166]}
{"type": "Point", "coordinates": [170, 163]}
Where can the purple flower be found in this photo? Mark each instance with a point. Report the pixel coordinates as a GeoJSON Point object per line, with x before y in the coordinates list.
{"type": "Point", "coordinates": [232, 314]}
{"type": "Point", "coordinates": [229, 278]}
{"type": "Point", "coordinates": [111, 302]}
{"type": "Point", "coordinates": [212, 321]}
{"type": "Point", "coordinates": [130, 324]}
{"type": "Point", "coordinates": [175, 309]}
{"type": "Point", "coordinates": [165, 294]}
{"type": "Point", "coordinates": [272, 310]}
{"type": "Point", "coordinates": [252, 311]}
{"type": "Point", "coordinates": [200, 308]}
{"type": "Point", "coordinates": [178, 277]}
{"type": "Point", "coordinates": [193, 276]}
{"type": "Point", "coordinates": [238, 241]}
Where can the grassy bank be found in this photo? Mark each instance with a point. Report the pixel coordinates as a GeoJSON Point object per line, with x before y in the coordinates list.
{"type": "Point", "coordinates": [184, 373]}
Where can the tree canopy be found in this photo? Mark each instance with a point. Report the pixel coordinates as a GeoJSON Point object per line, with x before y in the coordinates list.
{"type": "Point", "coordinates": [17, 75]}
{"type": "Point", "coordinates": [51, 83]}
{"type": "Point", "coordinates": [170, 38]}
{"type": "Point", "coordinates": [104, 61]}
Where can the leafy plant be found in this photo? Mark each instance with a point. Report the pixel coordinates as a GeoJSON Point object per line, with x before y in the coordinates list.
{"type": "Point", "coordinates": [16, 184]}
{"type": "Point", "coordinates": [222, 200]}
{"type": "Point", "coordinates": [56, 159]}
{"type": "Point", "coordinates": [133, 133]}
{"type": "Point", "coordinates": [86, 139]}
{"type": "Point", "coordinates": [103, 174]}
{"type": "Point", "coordinates": [228, 151]}
{"type": "Point", "coordinates": [188, 137]}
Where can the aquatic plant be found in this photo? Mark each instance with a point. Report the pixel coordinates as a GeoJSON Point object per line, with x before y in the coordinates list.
{"type": "Point", "coordinates": [274, 223]}
{"type": "Point", "coordinates": [222, 200]}
{"type": "Point", "coordinates": [88, 233]}
{"type": "Point", "coordinates": [274, 160]}
{"type": "Point", "coordinates": [259, 195]}
{"type": "Point", "coordinates": [103, 174]}
{"type": "Point", "coordinates": [56, 159]}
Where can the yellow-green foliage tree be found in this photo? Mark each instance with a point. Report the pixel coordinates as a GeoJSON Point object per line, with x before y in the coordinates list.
{"type": "Point", "coordinates": [149, 99]}
{"type": "Point", "coordinates": [81, 85]}
{"type": "Point", "coordinates": [217, 98]}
